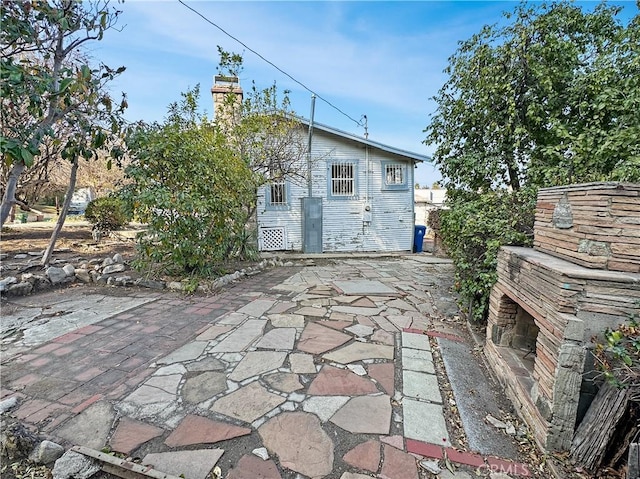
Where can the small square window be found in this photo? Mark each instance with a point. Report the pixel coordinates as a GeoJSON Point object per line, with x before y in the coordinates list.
{"type": "Point", "coordinates": [277, 195]}
{"type": "Point", "coordinates": [394, 176]}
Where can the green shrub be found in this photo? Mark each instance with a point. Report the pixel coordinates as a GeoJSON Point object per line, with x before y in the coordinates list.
{"type": "Point", "coordinates": [107, 213]}
{"type": "Point", "coordinates": [474, 229]}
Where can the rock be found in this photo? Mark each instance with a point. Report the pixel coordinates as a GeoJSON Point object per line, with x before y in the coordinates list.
{"type": "Point", "coordinates": [56, 275]}
{"type": "Point", "coordinates": [36, 253]}
{"type": "Point", "coordinates": [16, 441]}
{"type": "Point", "coordinates": [27, 277]}
{"type": "Point", "coordinates": [175, 285]}
{"type": "Point", "coordinates": [73, 465]}
{"type": "Point", "coordinates": [83, 275]}
{"type": "Point", "coordinates": [8, 404]}
{"type": "Point", "coordinates": [261, 452]}
{"type": "Point", "coordinates": [431, 466]}
{"type": "Point", "coordinates": [39, 282]}
{"type": "Point", "coordinates": [113, 268]}
{"type": "Point", "coordinates": [46, 452]}
{"type": "Point", "coordinates": [117, 258]}
{"type": "Point", "coordinates": [94, 275]}
{"type": "Point", "coordinates": [149, 283]}
{"type": "Point", "coordinates": [21, 256]}
{"type": "Point", "coordinates": [6, 282]}
{"type": "Point", "coordinates": [107, 262]}
{"type": "Point", "coordinates": [495, 422]}
{"type": "Point", "coordinates": [20, 289]}
{"type": "Point", "coordinates": [124, 280]}
{"type": "Point", "coordinates": [511, 430]}
{"type": "Point", "coordinates": [93, 262]}
{"type": "Point", "coordinates": [69, 269]}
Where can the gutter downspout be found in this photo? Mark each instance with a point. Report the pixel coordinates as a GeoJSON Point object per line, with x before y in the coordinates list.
{"type": "Point", "coordinates": [309, 182]}
{"type": "Point", "coordinates": [366, 156]}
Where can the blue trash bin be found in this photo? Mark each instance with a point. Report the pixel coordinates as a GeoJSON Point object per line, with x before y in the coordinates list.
{"type": "Point", "coordinates": [418, 236]}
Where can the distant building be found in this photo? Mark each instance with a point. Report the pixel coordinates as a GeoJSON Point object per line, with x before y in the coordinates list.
{"type": "Point", "coordinates": [427, 199]}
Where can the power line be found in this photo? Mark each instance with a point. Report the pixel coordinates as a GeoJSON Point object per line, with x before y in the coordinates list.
{"type": "Point", "coordinates": [271, 63]}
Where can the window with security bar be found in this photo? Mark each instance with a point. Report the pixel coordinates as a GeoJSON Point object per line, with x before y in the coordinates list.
{"type": "Point", "coordinates": [343, 179]}
{"type": "Point", "coordinates": [277, 195]}
{"type": "Point", "coordinates": [395, 176]}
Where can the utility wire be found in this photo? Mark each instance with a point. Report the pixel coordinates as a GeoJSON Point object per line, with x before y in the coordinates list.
{"type": "Point", "coordinates": [271, 63]}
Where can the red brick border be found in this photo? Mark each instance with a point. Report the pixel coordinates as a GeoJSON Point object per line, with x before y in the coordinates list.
{"type": "Point", "coordinates": [495, 464]}
{"type": "Point", "coordinates": [424, 449]}
{"type": "Point", "coordinates": [434, 334]}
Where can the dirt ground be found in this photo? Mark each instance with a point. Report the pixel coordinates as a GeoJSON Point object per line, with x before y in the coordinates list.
{"type": "Point", "coordinates": [21, 246]}
{"type": "Point", "coordinates": [74, 240]}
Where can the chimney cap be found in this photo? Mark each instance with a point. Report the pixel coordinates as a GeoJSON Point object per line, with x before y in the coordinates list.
{"type": "Point", "coordinates": [226, 80]}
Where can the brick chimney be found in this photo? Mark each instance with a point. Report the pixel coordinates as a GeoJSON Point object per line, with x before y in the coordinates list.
{"type": "Point", "coordinates": [223, 86]}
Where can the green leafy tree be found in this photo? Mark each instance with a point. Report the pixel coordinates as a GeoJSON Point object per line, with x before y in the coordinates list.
{"type": "Point", "coordinates": [550, 97]}
{"type": "Point", "coordinates": [195, 181]}
{"type": "Point", "coordinates": [49, 90]}
{"type": "Point", "coordinates": [189, 187]}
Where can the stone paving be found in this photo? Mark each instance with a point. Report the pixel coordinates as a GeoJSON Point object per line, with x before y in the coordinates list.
{"type": "Point", "coordinates": [321, 371]}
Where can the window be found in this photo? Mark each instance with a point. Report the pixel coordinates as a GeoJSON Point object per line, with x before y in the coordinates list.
{"type": "Point", "coordinates": [342, 182]}
{"type": "Point", "coordinates": [276, 195]}
{"type": "Point", "coordinates": [394, 176]}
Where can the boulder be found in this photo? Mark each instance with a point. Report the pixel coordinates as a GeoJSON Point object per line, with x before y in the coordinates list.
{"type": "Point", "coordinates": [117, 258]}
{"type": "Point", "coordinates": [83, 275]}
{"type": "Point", "coordinates": [107, 262]}
{"type": "Point", "coordinates": [20, 289]}
{"type": "Point", "coordinates": [7, 404]}
{"type": "Point", "coordinates": [69, 270]}
{"type": "Point", "coordinates": [46, 452]}
{"type": "Point", "coordinates": [113, 268]}
{"type": "Point", "coordinates": [6, 282]}
{"type": "Point", "coordinates": [56, 275]}
{"type": "Point", "coordinates": [73, 465]}
{"type": "Point", "coordinates": [149, 283]}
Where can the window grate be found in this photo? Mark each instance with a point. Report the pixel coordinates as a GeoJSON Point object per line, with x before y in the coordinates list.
{"type": "Point", "coordinates": [272, 239]}
{"type": "Point", "coordinates": [278, 195]}
{"type": "Point", "coordinates": [394, 174]}
{"type": "Point", "coordinates": [342, 179]}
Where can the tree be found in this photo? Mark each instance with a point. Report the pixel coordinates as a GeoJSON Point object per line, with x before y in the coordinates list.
{"type": "Point", "coordinates": [549, 98]}
{"type": "Point", "coordinates": [48, 87]}
{"type": "Point", "coordinates": [195, 181]}
{"type": "Point", "coordinates": [189, 187]}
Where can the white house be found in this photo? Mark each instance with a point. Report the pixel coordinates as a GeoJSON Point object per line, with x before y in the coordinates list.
{"type": "Point", "coordinates": [362, 198]}
{"type": "Point", "coordinates": [357, 197]}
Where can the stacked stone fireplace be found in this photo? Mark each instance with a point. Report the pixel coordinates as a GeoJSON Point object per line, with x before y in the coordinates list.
{"type": "Point", "coordinates": [581, 276]}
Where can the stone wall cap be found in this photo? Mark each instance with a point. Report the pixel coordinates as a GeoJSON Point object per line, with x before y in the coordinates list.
{"type": "Point", "coordinates": [602, 185]}
{"type": "Point", "coordinates": [569, 269]}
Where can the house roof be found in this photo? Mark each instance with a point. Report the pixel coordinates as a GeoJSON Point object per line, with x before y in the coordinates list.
{"type": "Point", "coordinates": [365, 141]}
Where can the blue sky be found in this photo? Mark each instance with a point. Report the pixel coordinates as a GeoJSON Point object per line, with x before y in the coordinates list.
{"type": "Point", "coordinates": [384, 60]}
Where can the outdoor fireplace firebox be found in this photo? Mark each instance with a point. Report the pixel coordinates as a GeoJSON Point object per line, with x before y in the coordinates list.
{"type": "Point", "coordinates": [581, 276]}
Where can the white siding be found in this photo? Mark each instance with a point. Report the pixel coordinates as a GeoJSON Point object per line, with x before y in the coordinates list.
{"type": "Point", "coordinates": [343, 226]}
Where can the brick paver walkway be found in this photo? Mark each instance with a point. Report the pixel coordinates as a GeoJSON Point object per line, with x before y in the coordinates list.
{"type": "Point", "coordinates": [323, 371]}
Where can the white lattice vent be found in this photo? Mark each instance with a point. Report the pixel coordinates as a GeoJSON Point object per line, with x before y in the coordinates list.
{"type": "Point", "coordinates": [272, 239]}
